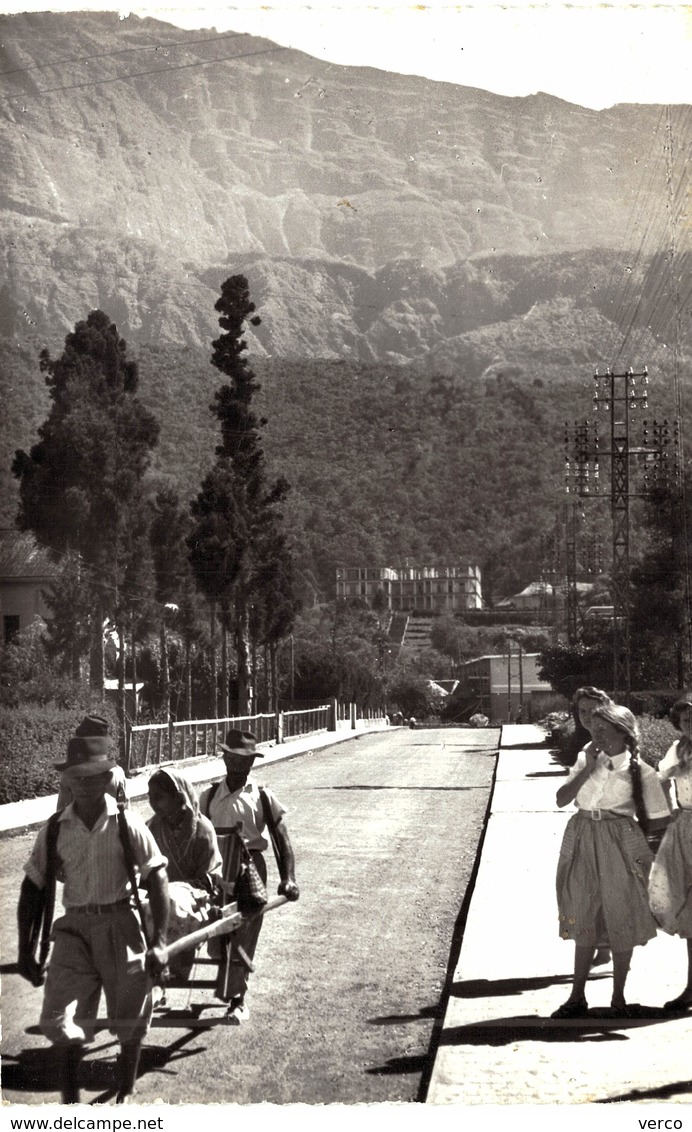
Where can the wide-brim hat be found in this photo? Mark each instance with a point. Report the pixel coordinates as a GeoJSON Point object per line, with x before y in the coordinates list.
{"type": "Point", "coordinates": [88, 755]}
{"type": "Point", "coordinates": [241, 743]}
{"type": "Point", "coordinates": [90, 751]}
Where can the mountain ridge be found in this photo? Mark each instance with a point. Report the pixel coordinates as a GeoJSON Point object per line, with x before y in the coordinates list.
{"type": "Point", "coordinates": [127, 182]}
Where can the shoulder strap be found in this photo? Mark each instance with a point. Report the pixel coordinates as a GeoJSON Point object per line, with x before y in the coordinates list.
{"type": "Point", "coordinates": [208, 800]}
{"type": "Point", "coordinates": [51, 874]}
{"type": "Point", "coordinates": [130, 863]}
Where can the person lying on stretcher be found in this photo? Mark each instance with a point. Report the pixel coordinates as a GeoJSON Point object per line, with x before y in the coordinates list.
{"type": "Point", "coordinates": [188, 841]}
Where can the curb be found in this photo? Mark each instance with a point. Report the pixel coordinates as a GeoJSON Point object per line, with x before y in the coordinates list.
{"type": "Point", "coordinates": [18, 817]}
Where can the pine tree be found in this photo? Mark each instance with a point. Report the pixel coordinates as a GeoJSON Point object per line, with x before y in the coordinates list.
{"type": "Point", "coordinates": [174, 589]}
{"type": "Point", "coordinates": [235, 513]}
{"type": "Point", "coordinates": [79, 481]}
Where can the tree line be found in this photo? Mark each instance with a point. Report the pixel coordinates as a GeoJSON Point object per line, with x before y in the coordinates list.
{"type": "Point", "coordinates": [139, 568]}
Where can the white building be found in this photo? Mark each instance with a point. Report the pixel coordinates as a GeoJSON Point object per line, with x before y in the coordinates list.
{"type": "Point", "coordinates": [425, 589]}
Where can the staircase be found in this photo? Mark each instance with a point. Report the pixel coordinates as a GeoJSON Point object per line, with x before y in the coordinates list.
{"type": "Point", "coordinates": [416, 637]}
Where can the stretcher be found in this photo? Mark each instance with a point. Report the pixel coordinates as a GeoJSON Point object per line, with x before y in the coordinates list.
{"type": "Point", "coordinates": [178, 995]}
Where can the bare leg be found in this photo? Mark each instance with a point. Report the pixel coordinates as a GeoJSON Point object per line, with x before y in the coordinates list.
{"type": "Point", "coordinates": [621, 966]}
{"type": "Point", "coordinates": [683, 1000]}
{"type": "Point", "coordinates": [576, 1004]}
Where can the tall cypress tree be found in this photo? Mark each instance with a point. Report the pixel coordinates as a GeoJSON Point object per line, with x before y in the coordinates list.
{"type": "Point", "coordinates": [79, 482]}
{"type": "Point", "coordinates": [235, 511]}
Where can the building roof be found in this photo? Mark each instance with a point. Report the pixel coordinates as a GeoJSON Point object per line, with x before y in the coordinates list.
{"type": "Point", "coordinates": [21, 557]}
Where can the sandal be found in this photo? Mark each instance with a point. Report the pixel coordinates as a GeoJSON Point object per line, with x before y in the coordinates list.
{"type": "Point", "coordinates": [573, 1008]}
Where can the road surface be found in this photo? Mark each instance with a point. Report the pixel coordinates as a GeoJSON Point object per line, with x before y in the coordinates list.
{"type": "Point", "coordinates": [349, 980]}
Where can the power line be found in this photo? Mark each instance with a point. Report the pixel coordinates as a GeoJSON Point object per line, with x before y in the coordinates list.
{"type": "Point", "coordinates": [121, 51]}
{"type": "Point", "coordinates": [144, 74]}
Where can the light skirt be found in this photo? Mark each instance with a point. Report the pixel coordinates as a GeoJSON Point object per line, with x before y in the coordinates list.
{"type": "Point", "coordinates": [602, 877]}
{"type": "Point", "coordinates": [670, 883]}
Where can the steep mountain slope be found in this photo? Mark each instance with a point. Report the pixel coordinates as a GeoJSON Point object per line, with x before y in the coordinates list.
{"type": "Point", "coordinates": [143, 164]}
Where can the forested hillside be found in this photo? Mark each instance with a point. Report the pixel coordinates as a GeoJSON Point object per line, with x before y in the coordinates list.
{"type": "Point", "coordinates": [438, 271]}
{"type": "Point", "coordinates": [387, 462]}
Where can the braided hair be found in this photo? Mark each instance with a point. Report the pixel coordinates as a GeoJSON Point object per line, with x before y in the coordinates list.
{"type": "Point", "coordinates": [622, 718]}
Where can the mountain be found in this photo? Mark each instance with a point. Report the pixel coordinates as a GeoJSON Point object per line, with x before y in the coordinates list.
{"type": "Point", "coordinates": [438, 270]}
{"type": "Point", "coordinates": [143, 164]}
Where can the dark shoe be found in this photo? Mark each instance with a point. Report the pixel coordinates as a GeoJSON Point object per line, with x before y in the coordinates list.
{"type": "Point", "coordinates": [573, 1008]}
{"type": "Point", "coordinates": [680, 1004]}
{"type": "Point", "coordinates": [237, 1012]}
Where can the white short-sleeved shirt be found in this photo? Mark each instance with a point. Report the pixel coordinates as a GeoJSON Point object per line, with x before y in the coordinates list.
{"type": "Point", "coordinates": [669, 767]}
{"type": "Point", "coordinates": [91, 861]}
{"type": "Point", "coordinates": [243, 806]}
{"type": "Point", "coordinates": [611, 789]}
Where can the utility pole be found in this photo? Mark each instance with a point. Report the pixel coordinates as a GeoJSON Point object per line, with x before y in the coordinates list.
{"type": "Point", "coordinates": [619, 395]}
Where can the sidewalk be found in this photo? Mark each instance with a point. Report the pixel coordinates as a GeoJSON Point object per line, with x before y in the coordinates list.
{"type": "Point", "coordinates": [498, 1044]}
{"type": "Point", "coordinates": [18, 816]}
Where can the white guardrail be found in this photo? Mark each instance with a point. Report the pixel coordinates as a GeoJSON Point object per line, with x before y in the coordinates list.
{"type": "Point", "coordinates": [152, 743]}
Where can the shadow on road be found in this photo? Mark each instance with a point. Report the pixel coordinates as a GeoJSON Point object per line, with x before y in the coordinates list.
{"type": "Point", "coordinates": [420, 789]}
{"type": "Point", "coordinates": [499, 988]}
{"type": "Point", "coordinates": [34, 1070]}
{"type": "Point", "coordinates": [597, 1025]}
{"type": "Point", "coordinates": [397, 1019]}
{"type": "Point", "coordinates": [661, 1093]}
{"type": "Point", "coordinates": [401, 1066]}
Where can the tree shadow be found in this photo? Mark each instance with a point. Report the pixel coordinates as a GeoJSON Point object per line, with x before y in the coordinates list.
{"type": "Point", "coordinates": [660, 1093]}
{"type": "Point", "coordinates": [420, 789]}
{"type": "Point", "coordinates": [597, 1025]}
{"type": "Point", "coordinates": [423, 1014]}
{"type": "Point", "coordinates": [501, 988]}
{"type": "Point", "coordinates": [401, 1066]}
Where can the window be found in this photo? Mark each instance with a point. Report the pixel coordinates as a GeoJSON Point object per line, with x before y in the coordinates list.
{"type": "Point", "coordinates": [11, 628]}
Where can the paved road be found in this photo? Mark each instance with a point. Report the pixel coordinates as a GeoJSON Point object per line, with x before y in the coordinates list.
{"type": "Point", "coordinates": [349, 980]}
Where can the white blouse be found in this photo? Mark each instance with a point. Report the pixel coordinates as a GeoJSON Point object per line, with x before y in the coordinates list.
{"type": "Point", "coordinates": [669, 767]}
{"type": "Point", "coordinates": [609, 786]}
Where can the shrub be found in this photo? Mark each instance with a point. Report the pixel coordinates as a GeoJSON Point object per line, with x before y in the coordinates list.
{"type": "Point", "coordinates": [29, 675]}
{"type": "Point", "coordinates": [563, 736]}
{"type": "Point", "coordinates": [656, 737]}
{"type": "Point", "coordinates": [32, 738]}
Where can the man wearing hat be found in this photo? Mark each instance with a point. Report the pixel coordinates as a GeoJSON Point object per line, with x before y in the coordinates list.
{"type": "Point", "coordinates": [238, 804]}
{"type": "Point", "coordinates": [93, 726]}
{"type": "Point", "coordinates": [98, 943]}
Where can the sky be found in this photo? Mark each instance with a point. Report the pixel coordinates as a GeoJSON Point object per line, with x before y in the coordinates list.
{"type": "Point", "coordinates": [587, 53]}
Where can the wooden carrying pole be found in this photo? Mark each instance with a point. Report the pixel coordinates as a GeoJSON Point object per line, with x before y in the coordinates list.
{"type": "Point", "coordinates": [231, 919]}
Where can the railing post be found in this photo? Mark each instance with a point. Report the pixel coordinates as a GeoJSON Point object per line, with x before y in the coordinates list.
{"type": "Point", "coordinates": [353, 717]}
{"type": "Point", "coordinates": [279, 727]}
{"type": "Point", "coordinates": [128, 746]}
{"type": "Point", "coordinates": [170, 740]}
{"type": "Point", "coordinates": [332, 716]}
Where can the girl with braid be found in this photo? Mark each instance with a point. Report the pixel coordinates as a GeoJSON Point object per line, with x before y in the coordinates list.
{"type": "Point", "coordinates": [604, 861]}
{"type": "Point", "coordinates": [670, 884]}
{"type": "Point", "coordinates": [584, 703]}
